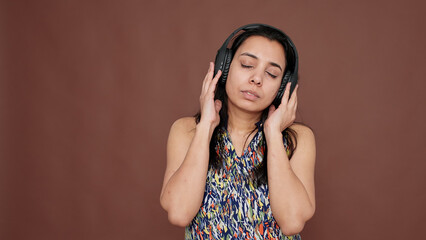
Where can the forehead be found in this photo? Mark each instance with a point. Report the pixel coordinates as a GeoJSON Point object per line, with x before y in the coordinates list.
{"type": "Point", "coordinates": [263, 48]}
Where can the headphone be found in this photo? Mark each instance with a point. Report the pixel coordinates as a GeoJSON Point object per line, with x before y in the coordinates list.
{"type": "Point", "coordinates": [224, 57]}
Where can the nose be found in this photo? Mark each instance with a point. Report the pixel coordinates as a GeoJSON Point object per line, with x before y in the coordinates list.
{"type": "Point", "coordinates": [256, 78]}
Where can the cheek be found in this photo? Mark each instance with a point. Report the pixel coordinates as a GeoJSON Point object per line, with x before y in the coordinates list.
{"type": "Point", "coordinates": [232, 75]}
{"type": "Point", "coordinates": [232, 81]}
{"type": "Point", "coordinates": [229, 87]}
{"type": "Point", "coordinates": [273, 88]}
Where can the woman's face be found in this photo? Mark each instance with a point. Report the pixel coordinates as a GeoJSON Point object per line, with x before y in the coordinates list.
{"type": "Point", "coordinates": [255, 74]}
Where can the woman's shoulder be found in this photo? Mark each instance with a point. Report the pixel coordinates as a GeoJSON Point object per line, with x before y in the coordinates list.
{"type": "Point", "coordinates": [184, 126]}
{"type": "Point", "coordinates": [302, 128]}
{"type": "Point", "coordinates": [303, 132]}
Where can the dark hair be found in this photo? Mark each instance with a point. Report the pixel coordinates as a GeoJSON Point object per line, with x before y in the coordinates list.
{"type": "Point", "coordinates": [260, 175]}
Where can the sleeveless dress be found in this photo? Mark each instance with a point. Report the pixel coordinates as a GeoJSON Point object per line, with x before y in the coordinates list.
{"type": "Point", "coordinates": [233, 208]}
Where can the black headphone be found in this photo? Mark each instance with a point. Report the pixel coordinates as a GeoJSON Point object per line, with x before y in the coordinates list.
{"type": "Point", "coordinates": [224, 57]}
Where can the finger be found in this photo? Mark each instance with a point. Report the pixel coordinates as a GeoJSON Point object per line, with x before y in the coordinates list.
{"type": "Point", "coordinates": [203, 88]}
{"type": "Point", "coordinates": [213, 83]}
{"type": "Point", "coordinates": [207, 78]}
{"type": "Point", "coordinates": [294, 107]}
{"type": "Point", "coordinates": [294, 95]}
{"type": "Point", "coordinates": [293, 98]}
{"type": "Point", "coordinates": [218, 74]}
{"type": "Point", "coordinates": [286, 94]}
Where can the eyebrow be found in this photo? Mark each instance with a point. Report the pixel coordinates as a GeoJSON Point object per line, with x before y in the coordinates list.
{"type": "Point", "coordinates": [255, 57]}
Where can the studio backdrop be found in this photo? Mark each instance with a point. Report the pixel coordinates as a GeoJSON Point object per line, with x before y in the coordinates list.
{"type": "Point", "coordinates": [89, 90]}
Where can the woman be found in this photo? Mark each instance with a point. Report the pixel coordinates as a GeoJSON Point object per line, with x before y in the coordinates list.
{"type": "Point", "coordinates": [241, 168]}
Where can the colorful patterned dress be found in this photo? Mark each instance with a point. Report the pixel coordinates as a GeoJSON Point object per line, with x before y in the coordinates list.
{"type": "Point", "coordinates": [232, 207]}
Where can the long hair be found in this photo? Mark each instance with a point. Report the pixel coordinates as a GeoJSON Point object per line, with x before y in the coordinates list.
{"type": "Point", "coordinates": [260, 173]}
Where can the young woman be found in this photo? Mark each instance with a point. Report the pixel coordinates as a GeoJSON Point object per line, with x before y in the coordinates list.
{"type": "Point", "coordinates": [241, 168]}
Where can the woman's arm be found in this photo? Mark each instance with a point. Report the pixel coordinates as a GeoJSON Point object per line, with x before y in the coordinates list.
{"type": "Point", "coordinates": [188, 157]}
{"type": "Point", "coordinates": [291, 183]}
{"type": "Point", "coordinates": [186, 172]}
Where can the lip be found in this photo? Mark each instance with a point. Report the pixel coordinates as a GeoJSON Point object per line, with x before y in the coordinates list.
{"type": "Point", "coordinates": [250, 95]}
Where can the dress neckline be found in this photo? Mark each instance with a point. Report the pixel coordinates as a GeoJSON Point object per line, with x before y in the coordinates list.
{"type": "Point", "coordinates": [252, 141]}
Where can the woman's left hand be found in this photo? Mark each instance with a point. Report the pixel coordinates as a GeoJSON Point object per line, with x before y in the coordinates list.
{"type": "Point", "coordinates": [282, 117]}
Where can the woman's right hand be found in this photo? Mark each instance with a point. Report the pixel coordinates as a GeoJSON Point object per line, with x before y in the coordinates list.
{"type": "Point", "coordinates": [209, 107]}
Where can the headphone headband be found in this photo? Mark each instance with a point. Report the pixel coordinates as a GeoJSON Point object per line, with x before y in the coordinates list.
{"type": "Point", "coordinates": [254, 26]}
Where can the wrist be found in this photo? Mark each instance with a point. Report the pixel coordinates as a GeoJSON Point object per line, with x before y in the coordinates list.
{"type": "Point", "coordinates": [204, 126]}
{"type": "Point", "coordinates": [271, 132]}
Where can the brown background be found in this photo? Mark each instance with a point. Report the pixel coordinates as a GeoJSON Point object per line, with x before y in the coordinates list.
{"type": "Point", "coordinates": [89, 90]}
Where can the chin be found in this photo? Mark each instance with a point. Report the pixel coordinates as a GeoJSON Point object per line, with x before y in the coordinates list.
{"type": "Point", "coordinates": [252, 107]}
{"type": "Point", "coordinates": [249, 106]}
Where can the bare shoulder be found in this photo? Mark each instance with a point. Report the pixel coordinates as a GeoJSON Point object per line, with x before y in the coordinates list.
{"type": "Point", "coordinates": [305, 140]}
{"type": "Point", "coordinates": [183, 127]}
{"type": "Point", "coordinates": [181, 134]}
{"type": "Point", "coordinates": [303, 132]}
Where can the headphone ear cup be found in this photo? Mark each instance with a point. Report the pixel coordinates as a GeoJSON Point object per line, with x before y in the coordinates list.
{"type": "Point", "coordinates": [286, 79]}
{"type": "Point", "coordinates": [226, 66]}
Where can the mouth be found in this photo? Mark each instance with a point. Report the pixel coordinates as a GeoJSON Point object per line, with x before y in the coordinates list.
{"type": "Point", "coordinates": [250, 95]}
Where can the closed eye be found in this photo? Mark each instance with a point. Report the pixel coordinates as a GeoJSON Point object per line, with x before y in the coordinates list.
{"type": "Point", "coordinates": [272, 75]}
{"type": "Point", "coordinates": [246, 66]}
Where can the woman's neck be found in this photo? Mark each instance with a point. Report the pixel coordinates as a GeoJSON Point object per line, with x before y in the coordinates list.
{"type": "Point", "coordinates": [242, 122]}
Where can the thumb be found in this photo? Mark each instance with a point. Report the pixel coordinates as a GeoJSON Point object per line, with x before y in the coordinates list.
{"type": "Point", "coordinates": [217, 105]}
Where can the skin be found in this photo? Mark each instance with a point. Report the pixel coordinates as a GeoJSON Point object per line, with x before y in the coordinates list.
{"type": "Point", "coordinates": [253, 81]}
